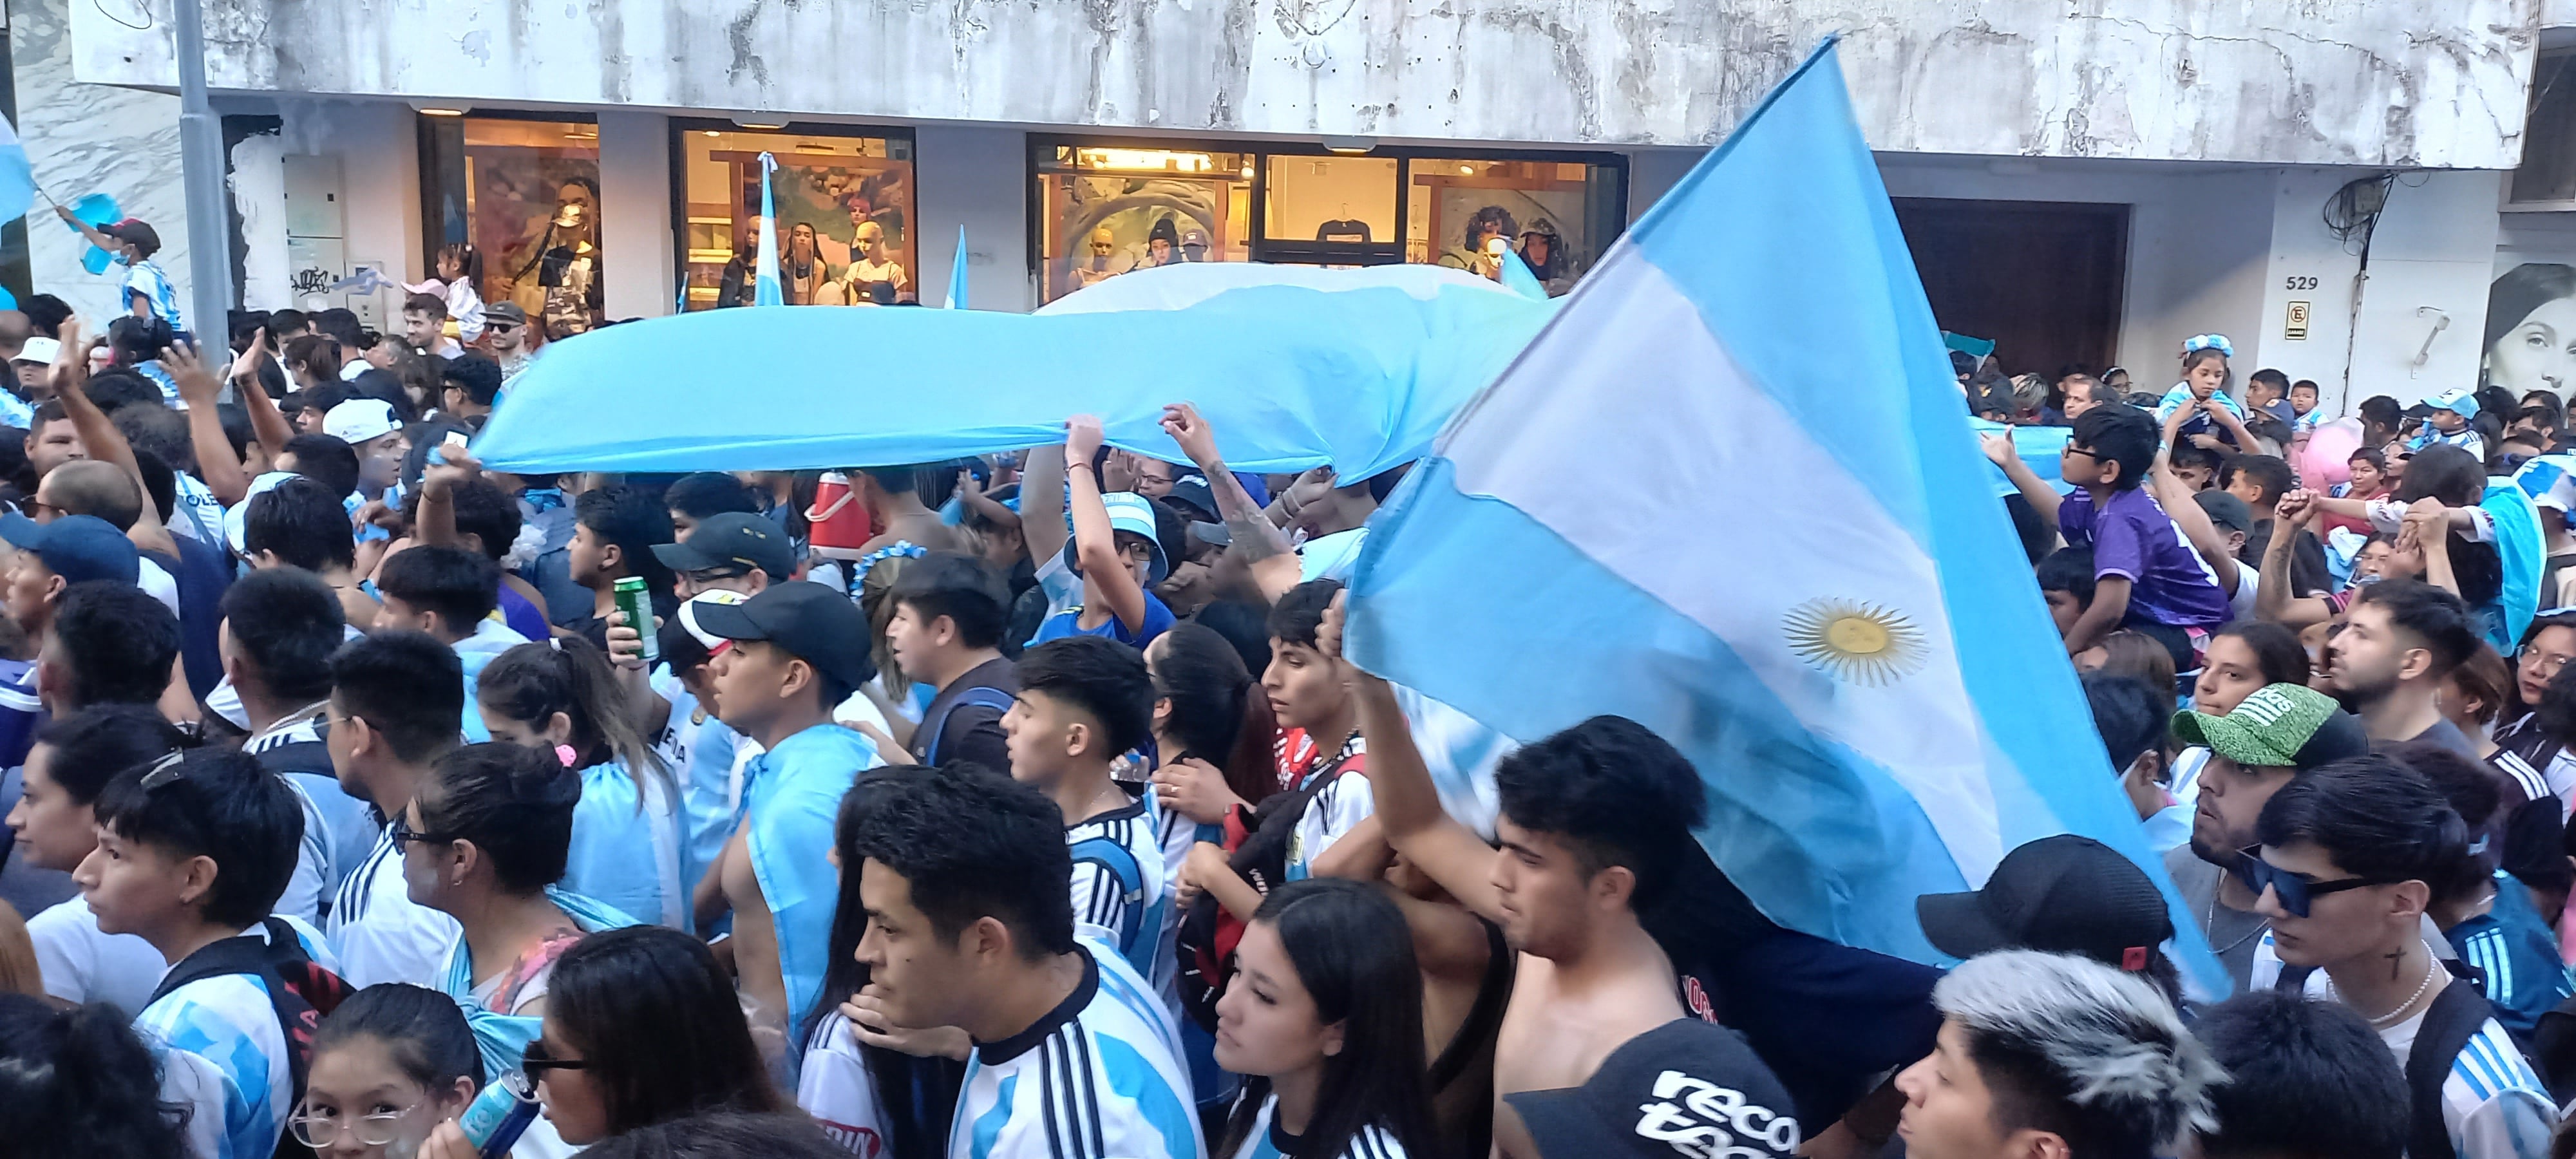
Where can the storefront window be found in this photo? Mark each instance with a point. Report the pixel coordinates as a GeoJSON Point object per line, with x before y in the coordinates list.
{"type": "Point", "coordinates": [1104, 210]}
{"type": "Point", "coordinates": [1558, 215]}
{"type": "Point", "coordinates": [524, 196]}
{"type": "Point", "coordinates": [1337, 210]}
{"type": "Point", "coordinates": [844, 199]}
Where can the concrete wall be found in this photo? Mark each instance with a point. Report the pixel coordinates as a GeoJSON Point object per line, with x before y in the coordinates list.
{"type": "Point", "coordinates": [2431, 257]}
{"type": "Point", "coordinates": [637, 259]}
{"type": "Point", "coordinates": [83, 139]}
{"type": "Point", "coordinates": [2371, 82]}
{"type": "Point", "coordinates": [978, 179]}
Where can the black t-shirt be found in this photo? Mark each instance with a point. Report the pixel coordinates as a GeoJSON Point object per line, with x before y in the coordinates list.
{"type": "Point", "coordinates": [201, 573]}
{"type": "Point", "coordinates": [967, 731]}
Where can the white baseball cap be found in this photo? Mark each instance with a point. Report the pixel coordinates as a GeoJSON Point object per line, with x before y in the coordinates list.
{"type": "Point", "coordinates": [360, 419]}
{"type": "Point", "coordinates": [39, 349]}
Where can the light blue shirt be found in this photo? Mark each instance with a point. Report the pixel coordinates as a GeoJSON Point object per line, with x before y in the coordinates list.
{"type": "Point", "coordinates": [791, 798]}
{"type": "Point", "coordinates": [625, 850]}
{"type": "Point", "coordinates": [144, 280]}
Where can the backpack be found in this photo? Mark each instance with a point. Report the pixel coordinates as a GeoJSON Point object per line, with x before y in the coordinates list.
{"type": "Point", "coordinates": [1256, 844]}
{"type": "Point", "coordinates": [2449, 1023]}
{"type": "Point", "coordinates": [1142, 927]}
{"type": "Point", "coordinates": [300, 993]}
{"type": "Point", "coordinates": [980, 696]}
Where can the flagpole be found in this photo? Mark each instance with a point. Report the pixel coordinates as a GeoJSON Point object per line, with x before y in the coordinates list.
{"type": "Point", "coordinates": [201, 156]}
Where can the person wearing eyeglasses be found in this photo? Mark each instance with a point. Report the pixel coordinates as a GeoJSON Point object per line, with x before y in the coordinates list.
{"type": "Point", "coordinates": [505, 335]}
{"type": "Point", "coordinates": [642, 1028]}
{"type": "Point", "coordinates": [389, 1064]}
{"type": "Point", "coordinates": [2351, 855]}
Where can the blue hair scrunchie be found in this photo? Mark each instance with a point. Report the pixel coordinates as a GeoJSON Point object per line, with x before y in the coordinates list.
{"type": "Point", "coordinates": [2217, 342]}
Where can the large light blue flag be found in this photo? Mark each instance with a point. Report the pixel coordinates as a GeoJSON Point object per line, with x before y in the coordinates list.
{"type": "Point", "coordinates": [1814, 593]}
{"type": "Point", "coordinates": [765, 289]}
{"type": "Point", "coordinates": [1294, 368]}
{"type": "Point", "coordinates": [17, 176]}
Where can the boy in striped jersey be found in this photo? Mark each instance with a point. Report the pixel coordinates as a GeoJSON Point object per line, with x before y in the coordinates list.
{"type": "Point", "coordinates": [1084, 701]}
{"type": "Point", "coordinates": [1074, 1057]}
{"type": "Point", "coordinates": [2352, 854]}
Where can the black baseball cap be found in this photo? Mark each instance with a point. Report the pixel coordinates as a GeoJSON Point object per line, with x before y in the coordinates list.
{"type": "Point", "coordinates": [731, 539]}
{"type": "Point", "coordinates": [1193, 491]}
{"type": "Point", "coordinates": [2226, 511]}
{"type": "Point", "coordinates": [2062, 895]}
{"type": "Point", "coordinates": [75, 547]}
{"type": "Point", "coordinates": [812, 622]}
{"type": "Point", "coordinates": [1686, 1079]}
{"type": "Point", "coordinates": [134, 230]}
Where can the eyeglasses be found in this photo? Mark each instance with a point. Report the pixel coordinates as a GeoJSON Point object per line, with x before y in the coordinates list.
{"type": "Point", "coordinates": [403, 832]}
{"type": "Point", "coordinates": [321, 1130]}
{"type": "Point", "coordinates": [500, 327]}
{"type": "Point", "coordinates": [2072, 449]}
{"type": "Point", "coordinates": [2295, 892]}
{"type": "Point", "coordinates": [538, 1060]}
{"type": "Point", "coordinates": [37, 508]}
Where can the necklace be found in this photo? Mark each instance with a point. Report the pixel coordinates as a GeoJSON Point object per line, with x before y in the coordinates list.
{"type": "Point", "coordinates": [2209, 924]}
{"type": "Point", "coordinates": [2432, 970]}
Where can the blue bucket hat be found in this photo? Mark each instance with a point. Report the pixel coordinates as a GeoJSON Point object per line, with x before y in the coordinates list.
{"type": "Point", "coordinates": [1128, 511]}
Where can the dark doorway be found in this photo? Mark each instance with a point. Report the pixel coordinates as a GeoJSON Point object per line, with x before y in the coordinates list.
{"type": "Point", "coordinates": [2040, 278]}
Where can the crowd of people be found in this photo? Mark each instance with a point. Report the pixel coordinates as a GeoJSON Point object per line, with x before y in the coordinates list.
{"type": "Point", "coordinates": [368, 802]}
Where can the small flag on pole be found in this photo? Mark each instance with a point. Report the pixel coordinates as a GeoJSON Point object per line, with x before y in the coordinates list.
{"type": "Point", "coordinates": [765, 285]}
{"type": "Point", "coordinates": [957, 274]}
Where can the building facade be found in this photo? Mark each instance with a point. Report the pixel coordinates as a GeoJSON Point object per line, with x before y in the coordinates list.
{"type": "Point", "coordinates": [2351, 189]}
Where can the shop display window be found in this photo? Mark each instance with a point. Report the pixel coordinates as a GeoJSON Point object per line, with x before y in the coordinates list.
{"type": "Point", "coordinates": [524, 194]}
{"type": "Point", "coordinates": [845, 203]}
{"type": "Point", "coordinates": [1103, 210]}
{"type": "Point", "coordinates": [1462, 212]}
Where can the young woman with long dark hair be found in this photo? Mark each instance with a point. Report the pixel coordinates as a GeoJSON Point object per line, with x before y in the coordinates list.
{"type": "Point", "coordinates": [1324, 1020]}
{"type": "Point", "coordinates": [562, 697]}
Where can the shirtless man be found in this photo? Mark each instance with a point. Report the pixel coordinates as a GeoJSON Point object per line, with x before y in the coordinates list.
{"type": "Point", "coordinates": [799, 649]}
{"type": "Point", "coordinates": [1593, 820]}
{"type": "Point", "coordinates": [893, 496]}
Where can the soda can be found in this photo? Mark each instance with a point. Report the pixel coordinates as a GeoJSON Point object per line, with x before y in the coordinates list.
{"type": "Point", "coordinates": [500, 1114]}
{"type": "Point", "coordinates": [637, 603]}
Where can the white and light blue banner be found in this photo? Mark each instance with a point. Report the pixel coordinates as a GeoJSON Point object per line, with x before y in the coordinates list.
{"type": "Point", "coordinates": [1802, 577]}
{"type": "Point", "coordinates": [1293, 367]}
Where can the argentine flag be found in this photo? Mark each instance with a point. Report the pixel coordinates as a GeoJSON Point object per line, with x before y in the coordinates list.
{"type": "Point", "coordinates": [1807, 583]}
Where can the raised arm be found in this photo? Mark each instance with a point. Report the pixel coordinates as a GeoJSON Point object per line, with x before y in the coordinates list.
{"type": "Point", "coordinates": [216, 459]}
{"type": "Point", "coordinates": [1106, 582]}
{"type": "Point", "coordinates": [1255, 536]}
{"type": "Point", "coordinates": [105, 443]}
{"type": "Point", "coordinates": [971, 494]}
{"type": "Point", "coordinates": [2042, 497]}
{"type": "Point", "coordinates": [1042, 502]}
{"type": "Point", "coordinates": [2178, 503]}
{"type": "Point", "coordinates": [87, 230]}
{"type": "Point", "coordinates": [1257, 543]}
{"type": "Point", "coordinates": [270, 427]}
{"type": "Point", "coordinates": [1408, 806]}
{"type": "Point", "coordinates": [2272, 598]}
{"type": "Point", "coordinates": [2427, 523]}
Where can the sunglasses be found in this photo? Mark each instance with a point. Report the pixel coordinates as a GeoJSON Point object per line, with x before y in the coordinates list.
{"type": "Point", "coordinates": [538, 1060]}
{"type": "Point", "coordinates": [2296, 893]}
{"type": "Point", "coordinates": [402, 832]}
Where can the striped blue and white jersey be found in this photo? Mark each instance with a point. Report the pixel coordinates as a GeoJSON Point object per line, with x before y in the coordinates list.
{"type": "Point", "coordinates": [1120, 884]}
{"type": "Point", "coordinates": [1266, 1141]}
{"type": "Point", "coordinates": [228, 1022]}
{"type": "Point", "coordinates": [2493, 1105]}
{"type": "Point", "coordinates": [144, 279]}
{"type": "Point", "coordinates": [1099, 1076]}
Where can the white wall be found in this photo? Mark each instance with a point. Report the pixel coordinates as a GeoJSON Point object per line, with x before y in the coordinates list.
{"type": "Point", "coordinates": [2396, 82]}
{"type": "Point", "coordinates": [2431, 256]}
{"type": "Point", "coordinates": [978, 178]}
{"type": "Point", "coordinates": [86, 138]}
{"type": "Point", "coordinates": [638, 254]}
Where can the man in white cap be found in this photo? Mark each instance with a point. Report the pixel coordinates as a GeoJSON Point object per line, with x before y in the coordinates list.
{"type": "Point", "coordinates": [371, 429]}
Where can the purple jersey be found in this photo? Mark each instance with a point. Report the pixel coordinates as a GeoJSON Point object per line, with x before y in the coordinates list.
{"type": "Point", "coordinates": [2134, 539]}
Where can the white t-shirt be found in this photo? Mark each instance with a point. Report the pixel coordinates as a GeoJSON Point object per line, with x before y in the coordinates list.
{"type": "Point", "coordinates": [1337, 808]}
{"type": "Point", "coordinates": [833, 1085]}
{"type": "Point", "coordinates": [81, 964]}
{"type": "Point", "coordinates": [157, 584]}
{"type": "Point", "coordinates": [2240, 604]}
{"type": "Point", "coordinates": [379, 933]}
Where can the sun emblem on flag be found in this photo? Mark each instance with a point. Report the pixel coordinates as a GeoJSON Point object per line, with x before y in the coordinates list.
{"type": "Point", "coordinates": [1855, 642]}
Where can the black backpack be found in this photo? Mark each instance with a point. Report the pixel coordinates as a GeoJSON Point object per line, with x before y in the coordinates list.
{"type": "Point", "coordinates": [300, 993]}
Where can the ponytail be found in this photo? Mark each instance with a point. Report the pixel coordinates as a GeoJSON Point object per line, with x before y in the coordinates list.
{"type": "Point", "coordinates": [513, 802]}
{"type": "Point", "coordinates": [570, 675]}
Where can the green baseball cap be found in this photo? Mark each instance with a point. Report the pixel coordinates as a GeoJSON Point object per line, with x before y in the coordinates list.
{"type": "Point", "coordinates": [2281, 726]}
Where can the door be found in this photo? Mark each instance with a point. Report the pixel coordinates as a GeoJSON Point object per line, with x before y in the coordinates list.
{"type": "Point", "coordinates": [2040, 278]}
